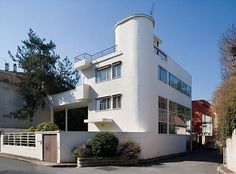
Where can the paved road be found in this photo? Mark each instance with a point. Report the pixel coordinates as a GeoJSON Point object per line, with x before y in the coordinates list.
{"type": "Point", "coordinates": [204, 162]}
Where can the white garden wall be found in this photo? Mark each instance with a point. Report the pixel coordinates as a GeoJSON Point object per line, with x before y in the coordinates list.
{"type": "Point", "coordinates": [69, 140]}
{"type": "Point", "coordinates": [32, 152]}
{"type": "Point", "coordinates": [152, 144]}
{"type": "Point", "coordinates": [231, 152]}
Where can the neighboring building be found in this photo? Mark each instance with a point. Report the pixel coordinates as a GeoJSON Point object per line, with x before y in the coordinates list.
{"type": "Point", "coordinates": [203, 120]}
{"type": "Point", "coordinates": [11, 100]}
{"type": "Point", "coordinates": [131, 87]}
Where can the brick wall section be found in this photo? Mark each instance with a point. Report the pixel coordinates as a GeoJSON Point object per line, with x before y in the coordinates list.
{"type": "Point", "coordinates": [11, 77]}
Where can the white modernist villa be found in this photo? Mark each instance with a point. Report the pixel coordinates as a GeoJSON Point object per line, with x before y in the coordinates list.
{"type": "Point", "coordinates": [131, 87]}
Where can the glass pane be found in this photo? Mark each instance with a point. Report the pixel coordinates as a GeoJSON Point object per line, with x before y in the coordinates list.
{"type": "Point", "coordinates": [76, 119]}
{"type": "Point", "coordinates": [162, 103]}
{"type": "Point", "coordinates": [162, 74]}
{"type": "Point", "coordinates": [162, 128]}
{"type": "Point", "coordinates": [59, 119]}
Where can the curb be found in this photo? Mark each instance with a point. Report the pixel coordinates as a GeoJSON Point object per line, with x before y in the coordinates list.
{"type": "Point", "coordinates": [37, 162]}
{"type": "Point", "coordinates": [222, 169]}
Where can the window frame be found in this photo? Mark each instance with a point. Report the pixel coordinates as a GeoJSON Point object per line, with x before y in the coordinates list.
{"type": "Point", "coordinates": [116, 66]}
{"type": "Point", "coordinates": [107, 100]}
{"type": "Point", "coordinates": [162, 115]}
{"type": "Point", "coordinates": [117, 96]}
{"type": "Point", "coordinates": [162, 70]}
{"type": "Point", "coordinates": [98, 71]}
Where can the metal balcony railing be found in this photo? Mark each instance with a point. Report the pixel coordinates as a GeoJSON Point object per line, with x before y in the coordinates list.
{"type": "Point", "coordinates": [19, 139]}
{"type": "Point", "coordinates": [159, 52]}
{"type": "Point", "coordinates": [97, 55]}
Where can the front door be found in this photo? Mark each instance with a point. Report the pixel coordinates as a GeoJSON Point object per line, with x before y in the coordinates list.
{"type": "Point", "coordinates": [50, 148]}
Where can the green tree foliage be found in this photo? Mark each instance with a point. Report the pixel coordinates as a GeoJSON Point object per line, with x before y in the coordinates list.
{"type": "Point", "coordinates": [44, 74]}
{"type": "Point", "coordinates": [224, 103]}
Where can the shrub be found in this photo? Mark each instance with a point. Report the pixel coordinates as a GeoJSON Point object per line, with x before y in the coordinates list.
{"type": "Point", "coordinates": [105, 144]}
{"type": "Point", "coordinates": [83, 151]}
{"type": "Point", "coordinates": [45, 126]}
{"type": "Point", "coordinates": [32, 129]}
{"type": "Point", "coordinates": [129, 150]}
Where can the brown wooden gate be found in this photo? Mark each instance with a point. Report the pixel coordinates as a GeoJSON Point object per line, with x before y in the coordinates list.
{"type": "Point", "coordinates": [50, 148]}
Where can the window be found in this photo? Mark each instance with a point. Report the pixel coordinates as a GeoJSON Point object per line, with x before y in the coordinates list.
{"type": "Point", "coordinates": [179, 118]}
{"type": "Point", "coordinates": [103, 74]}
{"type": "Point", "coordinates": [162, 115]}
{"type": "Point", "coordinates": [116, 101]}
{"type": "Point", "coordinates": [179, 85]}
{"type": "Point", "coordinates": [162, 74]}
{"type": "Point", "coordinates": [59, 119]}
{"type": "Point", "coordinates": [116, 70]}
{"type": "Point", "coordinates": [103, 103]}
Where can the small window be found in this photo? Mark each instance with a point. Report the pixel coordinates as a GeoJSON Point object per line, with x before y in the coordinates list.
{"type": "Point", "coordinates": [117, 101]}
{"type": "Point", "coordinates": [103, 74]}
{"type": "Point", "coordinates": [103, 103]}
{"type": "Point", "coordinates": [162, 74]}
{"type": "Point", "coordinates": [116, 70]}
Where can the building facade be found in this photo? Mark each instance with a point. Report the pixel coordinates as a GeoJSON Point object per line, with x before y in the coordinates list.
{"type": "Point", "coordinates": [203, 121]}
{"type": "Point", "coordinates": [133, 86]}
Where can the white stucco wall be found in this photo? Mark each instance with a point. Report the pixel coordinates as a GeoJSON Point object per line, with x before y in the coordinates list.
{"type": "Point", "coordinates": [32, 152]}
{"type": "Point", "coordinates": [231, 152]}
{"type": "Point", "coordinates": [152, 144]}
{"type": "Point", "coordinates": [69, 140]}
{"type": "Point", "coordinates": [10, 101]}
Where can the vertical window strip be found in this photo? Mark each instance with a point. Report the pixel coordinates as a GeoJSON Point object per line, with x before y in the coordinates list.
{"type": "Point", "coordinates": [162, 115]}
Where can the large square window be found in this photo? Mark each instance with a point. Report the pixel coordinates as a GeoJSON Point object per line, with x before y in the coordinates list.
{"type": "Point", "coordinates": [103, 74]}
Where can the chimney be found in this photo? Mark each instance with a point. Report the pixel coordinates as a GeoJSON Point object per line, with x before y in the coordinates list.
{"type": "Point", "coordinates": [6, 66]}
{"type": "Point", "coordinates": [14, 67]}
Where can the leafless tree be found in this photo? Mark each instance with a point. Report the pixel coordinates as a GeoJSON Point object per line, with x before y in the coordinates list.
{"type": "Point", "coordinates": [228, 53]}
{"type": "Point", "coordinates": [224, 103]}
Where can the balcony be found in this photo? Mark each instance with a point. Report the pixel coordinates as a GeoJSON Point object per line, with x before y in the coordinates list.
{"type": "Point", "coordinates": [78, 95]}
{"type": "Point", "coordinates": [84, 60]}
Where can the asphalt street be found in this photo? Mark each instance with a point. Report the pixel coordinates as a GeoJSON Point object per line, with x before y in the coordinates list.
{"type": "Point", "coordinates": [204, 162]}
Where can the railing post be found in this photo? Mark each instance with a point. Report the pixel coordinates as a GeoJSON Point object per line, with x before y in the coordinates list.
{"type": "Point", "coordinates": [27, 141]}
{"type": "Point", "coordinates": [20, 139]}
{"type": "Point", "coordinates": [14, 139]}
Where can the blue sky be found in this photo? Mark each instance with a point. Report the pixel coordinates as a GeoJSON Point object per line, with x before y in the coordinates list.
{"type": "Point", "coordinates": [190, 30]}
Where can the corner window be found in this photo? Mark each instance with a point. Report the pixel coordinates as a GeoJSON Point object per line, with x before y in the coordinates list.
{"type": "Point", "coordinates": [162, 74]}
{"type": "Point", "coordinates": [116, 101]}
{"type": "Point", "coordinates": [103, 103]}
{"type": "Point", "coordinates": [116, 70]}
{"type": "Point", "coordinates": [179, 118]}
{"type": "Point", "coordinates": [162, 115]}
{"type": "Point", "coordinates": [103, 74]}
{"type": "Point", "coordinates": [179, 85]}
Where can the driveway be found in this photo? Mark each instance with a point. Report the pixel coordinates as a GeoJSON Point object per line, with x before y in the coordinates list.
{"type": "Point", "coordinates": [204, 162]}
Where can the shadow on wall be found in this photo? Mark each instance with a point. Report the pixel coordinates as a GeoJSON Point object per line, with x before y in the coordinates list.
{"type": "Point", "coordinates": [92, 95]}
{"type": "Point", "coordinates": [109, 127]}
